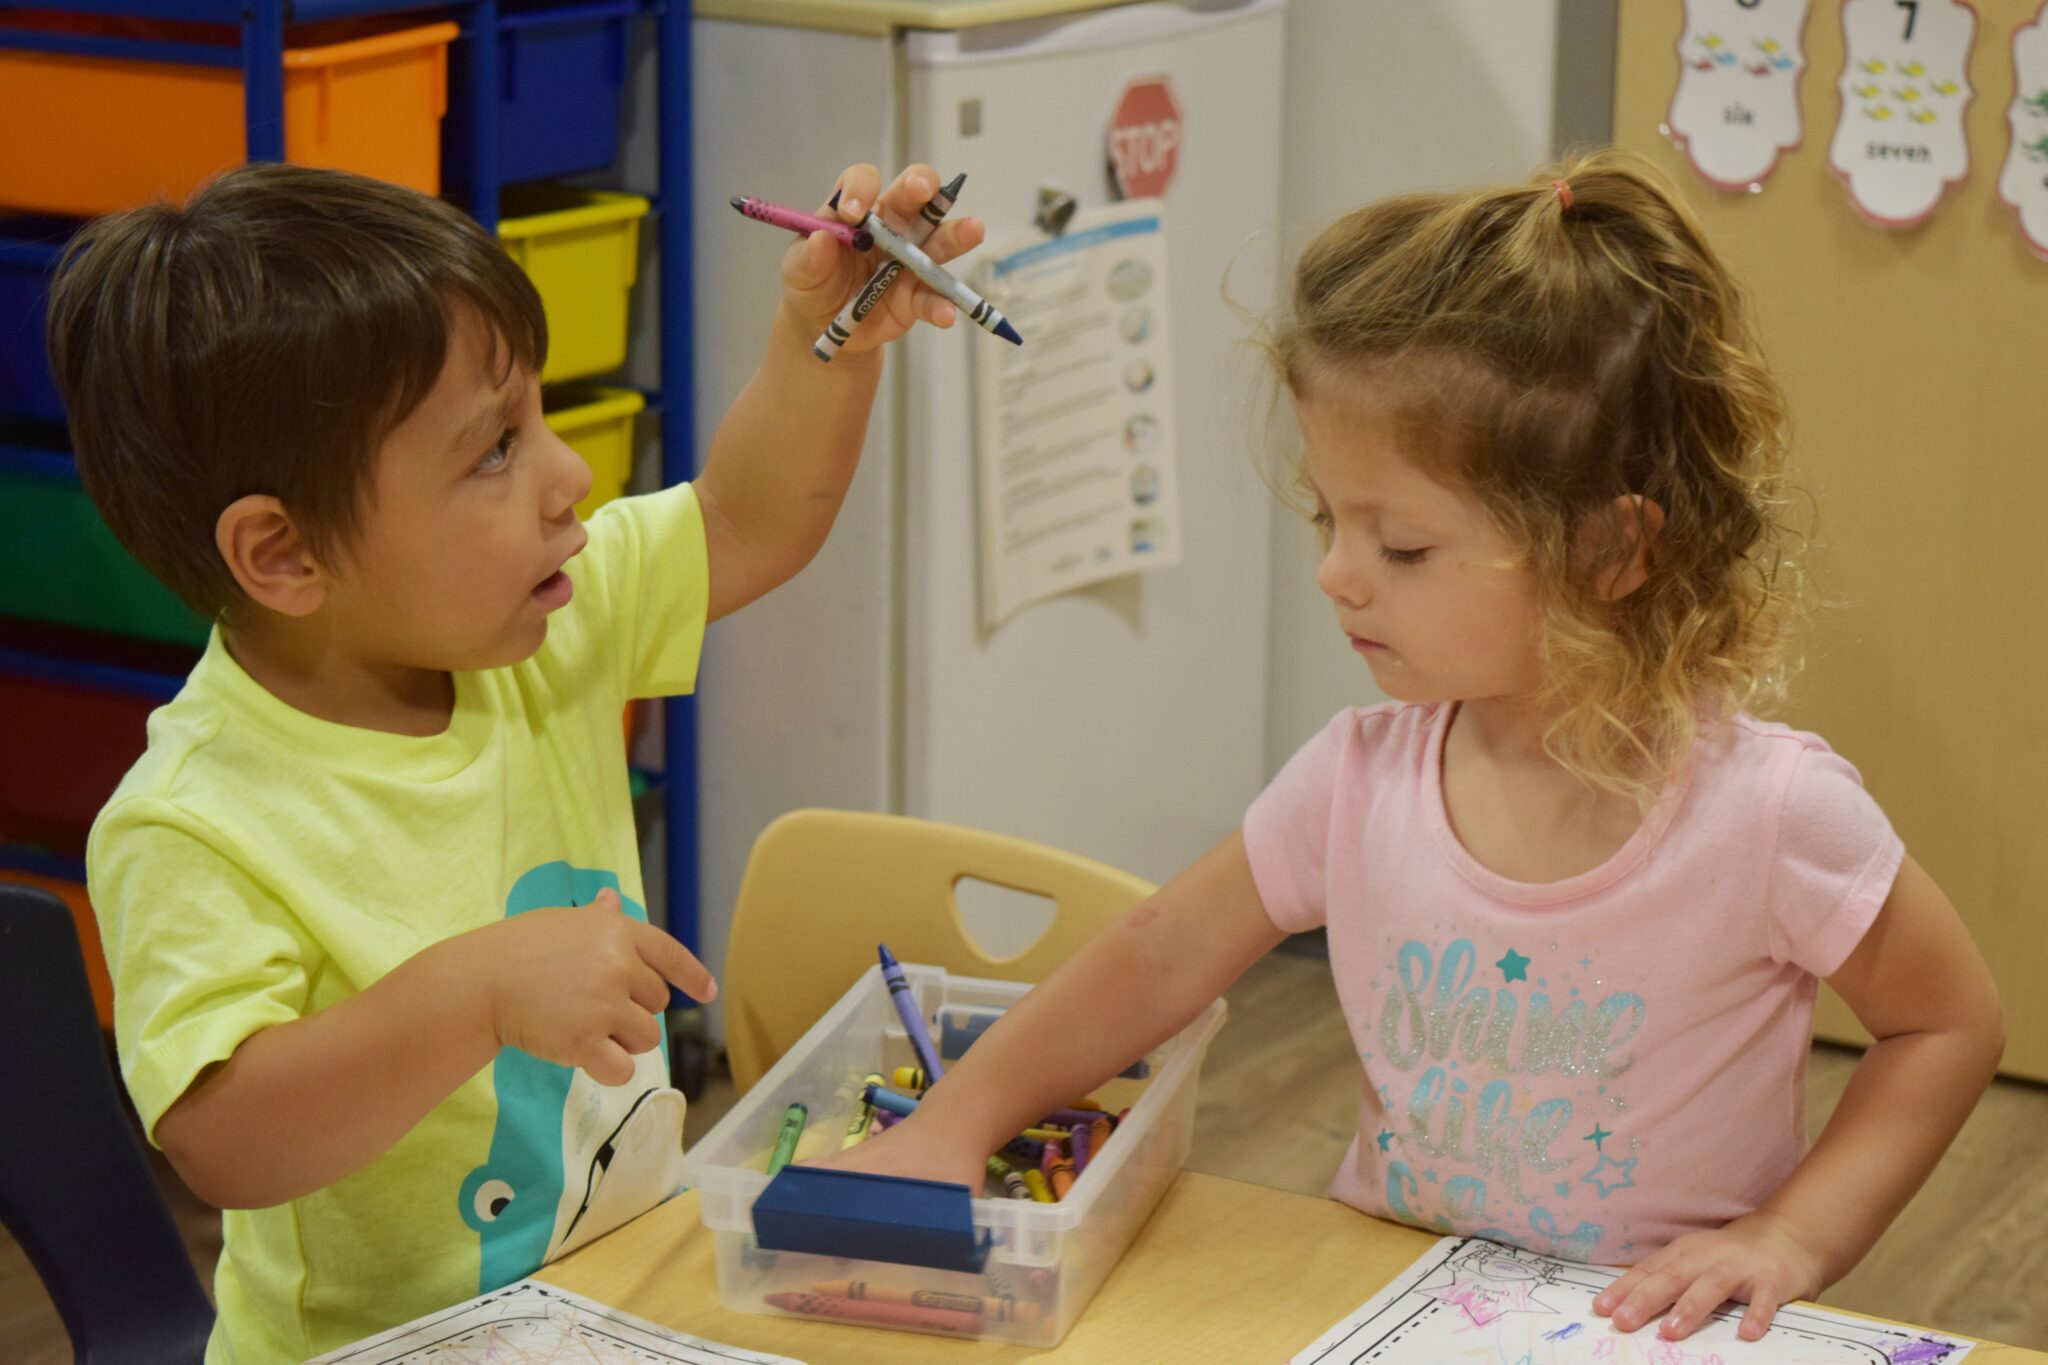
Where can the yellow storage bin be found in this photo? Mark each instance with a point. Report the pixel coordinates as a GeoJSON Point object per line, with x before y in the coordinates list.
{"type": "Point", "coordinates": [597, 423]}
{"type": "Point", "coordinates": [87, 135]}
{"type": "Point", "coordinates": [581, 249]}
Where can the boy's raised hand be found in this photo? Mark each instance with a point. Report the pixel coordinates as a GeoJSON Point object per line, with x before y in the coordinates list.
{"type": "Point", "coordinates": [583, 985]}
{"type": "Point", "coordinates": [819, 275]}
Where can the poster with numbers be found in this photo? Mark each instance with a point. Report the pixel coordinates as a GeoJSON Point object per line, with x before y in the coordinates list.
{"type": "Point", "coordinates": [1899, 145]}
{"type": "Point", "coordinates": [1736, 109]}
{"type": "Point", "coordinates": [2023, 183]}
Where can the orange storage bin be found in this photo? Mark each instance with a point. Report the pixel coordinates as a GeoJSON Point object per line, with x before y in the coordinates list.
{"type": "Point", "coordinates": [91, 134]}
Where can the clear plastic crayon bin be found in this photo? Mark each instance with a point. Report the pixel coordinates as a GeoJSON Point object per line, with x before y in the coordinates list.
{"type": "Point", "coordinates": [1043, 1262]}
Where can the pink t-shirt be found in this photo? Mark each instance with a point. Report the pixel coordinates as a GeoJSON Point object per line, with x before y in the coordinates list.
{"type": "Point", "coordinates": [1591, 1067]}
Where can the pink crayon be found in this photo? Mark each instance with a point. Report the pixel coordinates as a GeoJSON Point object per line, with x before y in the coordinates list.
{"type": "Point", "coordinates": [775, 215]}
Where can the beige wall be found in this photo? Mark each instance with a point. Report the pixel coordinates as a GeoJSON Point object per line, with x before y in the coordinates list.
{"type": "Point", "coordinates": [1912, 360]}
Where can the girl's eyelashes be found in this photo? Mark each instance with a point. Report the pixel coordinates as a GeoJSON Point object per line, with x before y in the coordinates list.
{"type": "Point", "coordinates": [1394, 556]}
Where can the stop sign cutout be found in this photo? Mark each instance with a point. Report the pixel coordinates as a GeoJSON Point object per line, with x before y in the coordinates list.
{"type": "Point", "coordinates": [1144, 138]}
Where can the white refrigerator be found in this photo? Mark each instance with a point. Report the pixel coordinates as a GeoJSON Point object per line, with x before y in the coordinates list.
{"type": "Point", "coordinates": [1123, 721]}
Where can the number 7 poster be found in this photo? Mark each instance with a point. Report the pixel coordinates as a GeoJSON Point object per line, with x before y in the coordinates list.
{"type": "Point", "coordinates": [1899, 145]}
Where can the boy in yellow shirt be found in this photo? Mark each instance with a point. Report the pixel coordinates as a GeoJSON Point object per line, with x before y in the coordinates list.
{"type": "Point", "coordinates": [385, 990]}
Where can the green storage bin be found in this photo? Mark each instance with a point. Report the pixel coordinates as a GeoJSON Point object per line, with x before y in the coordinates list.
{"type": "Point", "coordinates": [59, 562]}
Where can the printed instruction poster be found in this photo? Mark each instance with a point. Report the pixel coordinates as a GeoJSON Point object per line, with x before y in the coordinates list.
{"type": "Point", "coordinates": [1078, 475]}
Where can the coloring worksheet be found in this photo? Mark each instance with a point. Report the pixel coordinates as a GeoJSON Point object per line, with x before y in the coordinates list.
{"type": "Point", "coordinates": [530, 1323]}
{"type": "Point", "coordinates": [1469, 1300]}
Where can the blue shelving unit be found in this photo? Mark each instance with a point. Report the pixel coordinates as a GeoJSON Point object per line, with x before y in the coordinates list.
{"type": "Point", "coordinates": [260, 55]}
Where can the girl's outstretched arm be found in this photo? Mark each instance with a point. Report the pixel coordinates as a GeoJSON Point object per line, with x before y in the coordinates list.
{"type": "Point", "coordinates": [1920, 986]}
{"type": "Point", "coordinates": [1128, 990]}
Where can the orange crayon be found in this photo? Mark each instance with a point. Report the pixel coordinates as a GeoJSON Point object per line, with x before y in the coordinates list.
{"type": "Point", "coordinates": [993, 1309]}
{"type": "Point", "coordinates": [1099, 1131]}
{"type": "Point", "coordinates": [1059, 1169]}
{"type": "Point", "coordinates": [883, 1314]}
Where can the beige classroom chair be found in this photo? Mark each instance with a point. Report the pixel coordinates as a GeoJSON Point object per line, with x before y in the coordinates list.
{"type": "Point", "coordinates": [823, 887]}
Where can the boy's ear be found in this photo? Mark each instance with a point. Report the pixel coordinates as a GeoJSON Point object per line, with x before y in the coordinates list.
{"type": "Point", "coordinates": [1619, 537]}
{"type": "Point", "coordinates": [267, 556]}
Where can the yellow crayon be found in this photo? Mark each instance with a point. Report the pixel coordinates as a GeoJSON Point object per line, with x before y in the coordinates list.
{"type": "Point", "coordinates": [1035, 1180]}
{"type": "Point", "coordinates": [907, 1078]}
{"type": "Point", "coordinates": [1045, 1134]}
{"type": "Point", "coordinates": [863, 1115]}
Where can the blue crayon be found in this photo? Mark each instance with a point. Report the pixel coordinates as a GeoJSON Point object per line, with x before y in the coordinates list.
{"type": "Point", "coordinates": [890, 1101]}
{"type": "Point", "coordinates": [913, 1023]}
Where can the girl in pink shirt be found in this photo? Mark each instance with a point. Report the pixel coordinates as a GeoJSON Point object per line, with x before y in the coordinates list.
{"type": "Point", "coordinates": [1578, 900]}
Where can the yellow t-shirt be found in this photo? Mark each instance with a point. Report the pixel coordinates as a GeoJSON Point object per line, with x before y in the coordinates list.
{"type": "Point", "coordinates": [258, 865]}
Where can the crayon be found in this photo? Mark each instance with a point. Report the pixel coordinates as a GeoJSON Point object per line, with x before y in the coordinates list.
{"type": "Point", "coordinates": [1035, 1181]}
{"type": "Point", "coordinates": [1098, 1133]}
{"type": "Point", "coordinates": [994, 1309]}
{"type": "Point", "coordinates": [979, 310]}
{"type": "Point", "coordinates": [1071, 1118]}
{"type": "Point", "coordinates": [786, 1140]}
{"type": "Point", "coordinates": [1078, 1142]}
{"type": "Point", "coordinates": [1059, 1170]}
{"type": "Point", "coordinates": [890, 1102]}
{"type": "Point", "coordinates": [1013, 1183]}
{"type": "Point", "coordinates": [840, 330]}
{"type": "Point", "coordinates": [906, 1006]}
{"type": "Point", "coordinates": [907, 1078]}
{"type": "Point", "coordinates": [1044, 1134]}
{"type": "Point", "coordinates": [863, 1114]}
{"type": "Point", "coordinates": [888, 1314]}
{"type": "Point", "coordinates": [887, 1120]}
{"type": "Point", "coordinates": [775, 215]}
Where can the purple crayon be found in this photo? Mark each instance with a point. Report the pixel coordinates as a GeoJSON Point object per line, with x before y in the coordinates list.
{"type": "Point", "coordinates": [775, 215]}
{"type": "Point", "coordinates": [840, 329]}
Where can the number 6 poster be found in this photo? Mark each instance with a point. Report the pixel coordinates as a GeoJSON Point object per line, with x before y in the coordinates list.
{"type": "Point", "coordinates": [1737, 104]}
{"type": "Point", "coordinates": [1900, 142]}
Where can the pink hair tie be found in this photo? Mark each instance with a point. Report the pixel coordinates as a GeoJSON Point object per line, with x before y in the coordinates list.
{"type": "Point", "coordinates": [1564, 192]}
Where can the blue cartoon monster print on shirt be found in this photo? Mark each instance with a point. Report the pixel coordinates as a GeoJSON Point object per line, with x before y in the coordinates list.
{"type": "Point", "coordinates": [516, 1200]}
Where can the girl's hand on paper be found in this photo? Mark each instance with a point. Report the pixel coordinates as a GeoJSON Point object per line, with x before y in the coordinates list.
{"type": "Point", "coordinates": [582, 985]}
{"type": "Point", "coordinates": [1758, 1259]}
{"type": "Point", "coordinates": [915, 1149]}
{"type": "Point", "coordinates": [819, 275]}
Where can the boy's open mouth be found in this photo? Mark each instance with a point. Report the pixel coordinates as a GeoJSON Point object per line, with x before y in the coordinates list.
{"type": "Point", "coordinates": [554, 591]}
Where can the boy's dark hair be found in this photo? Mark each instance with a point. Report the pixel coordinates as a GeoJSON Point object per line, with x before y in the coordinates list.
{"type": "Point", "coordinates": [263, 338]}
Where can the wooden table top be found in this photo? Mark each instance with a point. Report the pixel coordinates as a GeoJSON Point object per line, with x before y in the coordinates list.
{"type": "Point", "coordinates": [1224, 1271]}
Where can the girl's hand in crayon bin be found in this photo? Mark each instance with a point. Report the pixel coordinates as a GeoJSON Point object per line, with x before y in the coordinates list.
{"type": "Point", "coordinates": [582, 985]}
{"type": "Point", "coordinates": [913, 1149]}
{"type": "Point", "coordinates": [1758, 1259]}
{"type": "Point", "coordinates": [819, 275]}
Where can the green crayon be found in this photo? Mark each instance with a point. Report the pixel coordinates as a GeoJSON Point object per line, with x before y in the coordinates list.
{"type": "Point", "coordinates": [785, 1141]}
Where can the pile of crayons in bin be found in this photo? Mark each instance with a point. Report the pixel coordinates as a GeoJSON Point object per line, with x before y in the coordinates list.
{"type": "Point", "coordinates": [1040, 1164]}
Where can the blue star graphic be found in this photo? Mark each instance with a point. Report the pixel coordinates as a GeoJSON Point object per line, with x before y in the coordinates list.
{"type": "Point", "coordinates": [1585, 962]}
{"type": "Point", "coordinates": [1610, 1185]}
{"type": "Point", "coordinates": [1386, 1139]}
{"type": "Point", "coordinates": [1430, 1176]}
{"type": "Point", "coordinates": [1513, 967]}
{"type": "Point", "coordinates": [1596, 1137]}
{"type": "Point", "coordinates": [1563, 1190]}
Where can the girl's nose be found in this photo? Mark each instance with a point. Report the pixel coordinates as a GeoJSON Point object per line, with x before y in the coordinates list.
{"type": "Point", "coordinates": [1339, 582]}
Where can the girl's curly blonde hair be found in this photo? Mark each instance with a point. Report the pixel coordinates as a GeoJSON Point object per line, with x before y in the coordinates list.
{"type": "Point", "coordinates": [1555, 346]}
